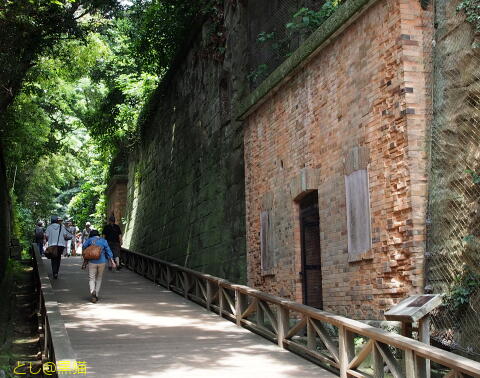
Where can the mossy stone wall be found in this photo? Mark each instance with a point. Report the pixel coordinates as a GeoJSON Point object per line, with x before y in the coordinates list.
{"type": "Point", "coordinates": [186, 200]}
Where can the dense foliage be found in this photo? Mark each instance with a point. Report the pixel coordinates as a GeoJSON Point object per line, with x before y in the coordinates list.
{"type": "Point", "coordinates": [159, 28]}
{"type": "Point", "coordinates": [472, 12]}
{"type": "Point", "coordinates": [75, 75]}
{"type": "Point", "coordinates": [29, 26]}
{"type": "Point", "coordinates": [44, 135]}
{"type": "Point", "coordinates": [282, 43]}
{"type": "Point", "coordinates": [464, 286]}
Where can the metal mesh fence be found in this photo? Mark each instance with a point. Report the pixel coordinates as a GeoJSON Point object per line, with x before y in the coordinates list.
{"type": "Point", "coordinates": [453, 264]}
{"type": "Point", "coordinates": [276, 29]}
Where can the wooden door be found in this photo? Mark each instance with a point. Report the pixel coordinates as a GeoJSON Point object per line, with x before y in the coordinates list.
{"type": "Point", "coordinates": [311, 257]}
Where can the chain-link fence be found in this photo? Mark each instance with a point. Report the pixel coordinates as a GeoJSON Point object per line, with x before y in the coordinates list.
{"type": "Point", "coordinates": [277, 28]}
{"type": "Point", "coordinates": [453, 265]}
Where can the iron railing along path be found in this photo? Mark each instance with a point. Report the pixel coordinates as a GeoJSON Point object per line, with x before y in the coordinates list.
{"type": "Point", "coordinates": [58, 356]}
{"type": "Point", "coordinates": [352, 348]}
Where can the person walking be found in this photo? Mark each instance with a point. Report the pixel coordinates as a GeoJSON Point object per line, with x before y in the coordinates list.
{"type": "Point", "coordinates": [97, 267]}
{"type": "Point", "coordinates": [85, 233]}
{"type": "Point", "coordinates": [112, 233]}
{"type": "Point", "coordinates": [68, 246]}
{"type": "Point", "coordinates": [57, 234]}
{"type": "Point", "coordinates": [40, 236]}
{"type": "Point", "coordinates": [70, 250]}
{"type": "Point", "coordinates": [78, 241]}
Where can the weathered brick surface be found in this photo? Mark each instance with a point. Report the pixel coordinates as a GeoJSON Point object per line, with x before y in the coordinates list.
{"type": "Point", "coordinates": [117, 199]}
{"type": "Point", "coordinates": [368, 88]}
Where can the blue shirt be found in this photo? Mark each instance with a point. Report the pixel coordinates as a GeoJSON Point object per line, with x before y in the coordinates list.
{"type": "Point", "coordinates": [106, 251]}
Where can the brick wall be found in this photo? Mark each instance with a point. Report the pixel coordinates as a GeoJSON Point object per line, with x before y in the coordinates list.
{"type": "Point", "coordinates": [368, 87]}
{"type": "Point", "coordinates": [117, 199]}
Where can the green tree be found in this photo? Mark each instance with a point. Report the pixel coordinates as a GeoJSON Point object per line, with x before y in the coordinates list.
{"type": "Point", "coordinates": [157, 28]}
{"type": "Point", "coordinates": [28, 28]}
{"type": "Point", "coordinates": [73, 80]}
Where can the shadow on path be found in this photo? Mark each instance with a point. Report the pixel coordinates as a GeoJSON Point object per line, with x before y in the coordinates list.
{"type": "Point", "coordinates": [138, 329]}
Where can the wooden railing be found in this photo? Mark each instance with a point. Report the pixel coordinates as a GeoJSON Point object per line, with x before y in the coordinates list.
{"type": "Point", "coordinates": [349, 347]}
{"type": "Point", "coordinates": [58, 356]}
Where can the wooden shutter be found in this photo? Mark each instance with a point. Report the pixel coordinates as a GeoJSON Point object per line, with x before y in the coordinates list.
{"type": "Point", "coordinates": [266, 258]}
{"type": "Point", "coordinates": [358, 213]}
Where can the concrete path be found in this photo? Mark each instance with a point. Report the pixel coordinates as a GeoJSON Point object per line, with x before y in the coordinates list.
{"type": "Point", "coordinates": [138, 329]}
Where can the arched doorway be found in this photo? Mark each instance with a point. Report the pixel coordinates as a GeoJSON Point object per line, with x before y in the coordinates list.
{"type": "Point", "coordinates": [310, 249]}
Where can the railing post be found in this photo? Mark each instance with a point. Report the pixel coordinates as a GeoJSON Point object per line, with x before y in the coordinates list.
{"type": "Point", "coordinates": [186, 284]}
{"type": "Point", "coordinates": [221, 300]}
{"type": "Point", "coordinates": [260, 315]}
{"type": "Point", "coordinates": [311, 335]}
{"type": "Point", "coordinates": [197, 287]}
{"type": "Point", "coordinates": [162, 275]}
{"type": "Point", "coordinates": [169, 276]}
{"type": "Point", "coordinates": [208, 302]}
{"type": "Point", "coordinates": [283, 317]}
{"type": "Point", "coordinates": [346, 349]}
{"type": "Point", "coordinates": [422, 364]}
{"type": "Point", "coordinates": [377, 362]}
{"type": "Point", "coordinates": [409, 364]}
{"type": "Point", "coordinates": [240, 305]}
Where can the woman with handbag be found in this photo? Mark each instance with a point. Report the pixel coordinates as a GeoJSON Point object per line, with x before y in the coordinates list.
{"type": "Point", "coordinates": [97, 252]}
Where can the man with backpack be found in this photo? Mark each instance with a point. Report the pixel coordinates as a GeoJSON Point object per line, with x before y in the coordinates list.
{"type": "Point", "coordinates": [40, 236]}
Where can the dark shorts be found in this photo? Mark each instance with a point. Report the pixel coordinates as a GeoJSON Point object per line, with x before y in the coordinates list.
{"type": "Point", "coordinates": [115, 247]}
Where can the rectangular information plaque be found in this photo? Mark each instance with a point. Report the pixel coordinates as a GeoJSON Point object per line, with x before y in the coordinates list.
{"type": "Point", "coordinates": [420, 301]}
{"type": "Point", "coordinates": [414, 308]}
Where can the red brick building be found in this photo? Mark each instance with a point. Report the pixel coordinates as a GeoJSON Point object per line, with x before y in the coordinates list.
{"type": "Point", "coordinates": [336, 162]}
{"type": "Point", "coordinates": [117, 198]}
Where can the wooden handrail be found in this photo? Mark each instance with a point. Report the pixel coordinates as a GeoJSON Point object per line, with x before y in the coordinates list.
{"type": "Point", "coordinates": [279, 329]}
{"type": "Point", "coordinates": [57, 348]}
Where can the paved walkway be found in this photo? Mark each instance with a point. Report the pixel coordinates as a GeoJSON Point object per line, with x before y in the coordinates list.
{"type": "Point", "coordinates": [138, 329]}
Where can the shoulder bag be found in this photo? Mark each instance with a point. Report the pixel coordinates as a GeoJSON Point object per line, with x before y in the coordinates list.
{"type": "Point", "coordinates": [52, 250]}
{"type": "Point", "coordinates": [92, 252]}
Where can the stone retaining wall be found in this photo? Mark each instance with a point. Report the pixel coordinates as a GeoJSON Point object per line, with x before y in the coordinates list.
{"type": "Point", "coordinates": [186, 180]}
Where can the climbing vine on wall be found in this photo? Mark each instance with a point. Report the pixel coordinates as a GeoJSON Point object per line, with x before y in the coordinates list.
{"type": "Point", "coordinates": [282, 43]}
{"type": "Point", "coordinates": [216, 37]}
{"type": "Point", "coordinates": [464, 286]}
{"type": "Point", "coordinates": [472, 11]}
{"type": "Point", "coordinates": [466, 282]}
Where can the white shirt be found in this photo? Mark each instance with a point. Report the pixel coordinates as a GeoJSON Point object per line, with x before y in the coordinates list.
{"type": "Point", "coordinates": [52, 235]}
